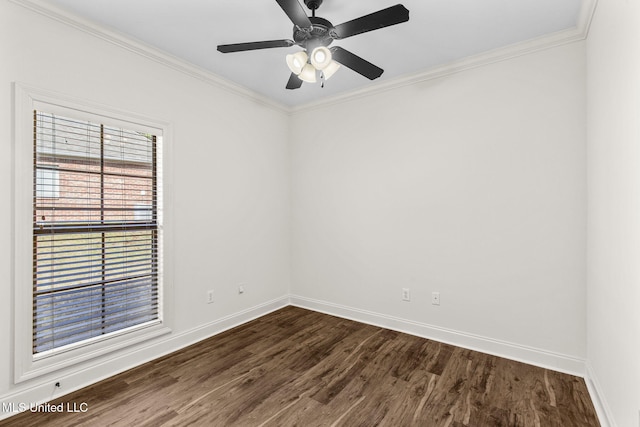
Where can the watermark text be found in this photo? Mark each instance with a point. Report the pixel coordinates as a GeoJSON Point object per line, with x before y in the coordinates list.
{"type": "Point", "coordinates": [66, 407]}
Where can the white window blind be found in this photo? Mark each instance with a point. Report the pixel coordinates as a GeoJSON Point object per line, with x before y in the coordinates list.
{"type": "Point", "coordinates": [95, 231]}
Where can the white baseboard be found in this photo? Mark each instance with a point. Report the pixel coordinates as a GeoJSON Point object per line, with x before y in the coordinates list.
{"type": "Point", "coordinates": [537, 357]}
{"type": "Point", "coordinates": [520, 353]}
{"type": "Point", "coordinates": [595, 390]}
{"type": "Point", "coordinates": [45, 391]}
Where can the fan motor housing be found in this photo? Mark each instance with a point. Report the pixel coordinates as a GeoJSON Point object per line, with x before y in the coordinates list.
{"type": "Point", "coordinates": [313, 4]}
{"type": "Point", "coordinates": [320, 34]}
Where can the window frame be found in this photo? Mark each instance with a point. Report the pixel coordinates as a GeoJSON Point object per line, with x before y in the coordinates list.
{"type": "Point", "coordinates": [27, 364]}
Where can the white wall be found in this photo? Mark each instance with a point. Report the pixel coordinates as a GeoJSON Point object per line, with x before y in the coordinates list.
{"type": "Point", "coordinates": [230, 184]}
{"type": "Point", "coordinates": [472, 185]}
{"type": "Point", "coordinates": [613, 122]}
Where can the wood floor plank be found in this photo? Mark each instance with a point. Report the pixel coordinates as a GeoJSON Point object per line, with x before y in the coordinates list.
{"type": "Point", "coordinates": [296, 367]}
{"type": "Point", "coordinates": [304, 412]}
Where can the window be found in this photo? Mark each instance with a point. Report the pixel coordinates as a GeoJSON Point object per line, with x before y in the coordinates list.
{"type": "Point", "coordinates": [95, 257]}
{"type": "Point", "coordinates": [47, 181]}
{"type": "Point", "coordinates": [92, 279]}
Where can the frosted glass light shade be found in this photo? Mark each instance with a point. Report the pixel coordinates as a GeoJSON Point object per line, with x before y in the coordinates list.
{"type": "Point", "coordinates": [330, 69]}
{"type": "Point", "coordinates": [308, 74]}
{"type": "Point", "coordinates": [296, 61]}
{"type": "Point", "coordinates": [321, 57]}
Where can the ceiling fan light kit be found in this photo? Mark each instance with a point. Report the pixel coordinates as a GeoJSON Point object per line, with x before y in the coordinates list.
{"type": "Point", "coordinates": [296, 61]}
{"type": "Point", "coordinates": [320, 60]}
{"type": "Point", "coordinates": [308, 74]}
{"type": "Point", "coordinates": [314, 34]}
{"type": "Point", "coordinates": [330, 70]}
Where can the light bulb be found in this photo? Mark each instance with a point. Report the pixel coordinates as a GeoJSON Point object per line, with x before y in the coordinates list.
{"type": "Point", "coordinates": [321, 57]}
{"type": "Point", "coordinates": [297, 61]}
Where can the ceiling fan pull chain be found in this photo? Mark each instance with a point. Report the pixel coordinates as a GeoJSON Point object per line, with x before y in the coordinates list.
{"type": "Point", "coordinates": [322, 79]}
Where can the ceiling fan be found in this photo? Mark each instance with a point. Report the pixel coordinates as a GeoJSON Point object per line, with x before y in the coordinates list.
{"type": "Point", "coordinates": [314, 34]}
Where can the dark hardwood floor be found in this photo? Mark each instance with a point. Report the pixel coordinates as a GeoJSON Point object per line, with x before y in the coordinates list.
{"type": "Point", "coordinates": [296, 367]}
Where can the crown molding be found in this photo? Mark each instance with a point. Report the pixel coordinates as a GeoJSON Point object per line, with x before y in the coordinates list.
{"type": "Point", "coordinates": [548, 41]}
{"type": "Point", "coordinates": [47, 9]}
{"type": "Point", "coordinates": [587, 11]}
{"type": "Point", "coordinates": [575, 34]}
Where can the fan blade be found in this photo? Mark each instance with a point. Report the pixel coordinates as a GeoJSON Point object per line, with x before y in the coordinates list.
{"type": "Point", "coordinates": [294, 82]}
{"type": "Point", "coordinates": [356, 63]}
{"type": "Point", "coordinates": [383, 18]}
{"type": "Point", "coordinates": [295, 12]}
{"type": "Point", "coordinates": [240, 47]}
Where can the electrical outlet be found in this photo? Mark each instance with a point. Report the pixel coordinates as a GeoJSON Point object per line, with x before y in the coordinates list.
{"type": "Point", "coordinates": [209, 296]}
{"type": "Point", "coordinates": [435, 298]}
{"type": "Point", "coordinates": [241, 288]}
{"type": "Point", "coordinates": [406, 294]}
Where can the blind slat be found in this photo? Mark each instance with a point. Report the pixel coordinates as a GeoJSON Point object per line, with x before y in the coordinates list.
{"type": "Point", "coordinates": [107, 275]}
{"type": "Point", "coordinates": [114, 304]}
{"type": "Point", "coordinates": [67, 285]}
{"type": "Point", "coordinates": [112, 310]}
{"type": "Point", "coordinates": [46, 308]}
{"type": "Point", "coordinates": [84, 268]}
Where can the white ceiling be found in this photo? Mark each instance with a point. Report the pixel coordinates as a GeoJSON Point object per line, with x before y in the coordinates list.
{"type": "Point", "coordinates": [438, 32]}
